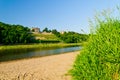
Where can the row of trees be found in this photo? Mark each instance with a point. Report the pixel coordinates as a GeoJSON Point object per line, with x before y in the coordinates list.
{"type": "Point", "coordinates": [73, 37]}
{"type": "Point", "coordinates": [70, 37]}
{"type": "Point", "coordinates": [14, 34]}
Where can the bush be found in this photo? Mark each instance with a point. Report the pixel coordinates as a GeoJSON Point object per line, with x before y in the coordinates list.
{"type": "Point", "coordinates": [100, 57]}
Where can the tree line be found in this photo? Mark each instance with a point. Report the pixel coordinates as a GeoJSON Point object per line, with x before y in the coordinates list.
{"type": "Point", "coordinates": [68, 37]}
{"type": "Point", "coordinates": [17, 34]}
{"type": "Point", "coordinates": [14, 34]}
{"type": "Point", "coordinates": [71, 37]}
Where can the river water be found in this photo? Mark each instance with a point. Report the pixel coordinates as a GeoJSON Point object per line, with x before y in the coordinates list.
{"type": "Point", "coordinates": [36, 53]}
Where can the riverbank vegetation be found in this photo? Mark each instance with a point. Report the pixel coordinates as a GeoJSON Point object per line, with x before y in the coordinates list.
{"type": "Point", "coordinates": [37, 46]}
{"type": "Point", "coordinates": [100, 57]}
{"type": "Point", "coordinates": [18, 37]}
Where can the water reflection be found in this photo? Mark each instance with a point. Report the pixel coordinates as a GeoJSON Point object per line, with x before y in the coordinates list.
{"type": "Point", "coordinates": [13, 55]}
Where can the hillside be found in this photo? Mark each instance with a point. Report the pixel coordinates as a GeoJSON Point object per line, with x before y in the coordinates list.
{"type": "Point", "coordinates": [47, 37]}
{"type": "Point", "coordinates": [18, 34]}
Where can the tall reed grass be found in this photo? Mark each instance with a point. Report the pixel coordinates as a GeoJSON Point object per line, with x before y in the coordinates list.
{"type": "Point", "coordinates": [100, 57]}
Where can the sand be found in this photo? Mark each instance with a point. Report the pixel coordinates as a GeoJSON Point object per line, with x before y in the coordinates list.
{"type": "Point", "coordinates": [53, 67]}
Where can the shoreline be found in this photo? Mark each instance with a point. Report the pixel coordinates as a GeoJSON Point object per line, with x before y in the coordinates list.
{"type": "Point", "coordinates": [37, 46]}
{"type": "Point", "coordinates": [9, 61]}
{"type": "Point", "coordinates": [53, 67]}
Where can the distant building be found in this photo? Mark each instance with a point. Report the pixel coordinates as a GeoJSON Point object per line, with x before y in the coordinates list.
{"type": "Point", "coordinates": [37, 30]}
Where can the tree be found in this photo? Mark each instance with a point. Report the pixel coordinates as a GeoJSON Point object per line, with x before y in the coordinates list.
{"type": "Point", "coordinates": [55, 32]}
{"type": "Point", "coordinates": [12, 34]}
{"type": "Point", "coordinates": [45, 30]}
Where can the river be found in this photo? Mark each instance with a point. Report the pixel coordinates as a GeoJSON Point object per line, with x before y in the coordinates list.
{"type": "Point", "coordinates": [36, 53]}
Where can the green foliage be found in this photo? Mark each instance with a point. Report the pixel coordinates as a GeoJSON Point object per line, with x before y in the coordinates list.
{"type": "Point", "coordinates": [70, 37]}
{"type": "Point", "coordinates": [46, 30]}
{"type": "Point", "coordinates": [73, 37]}
{"type": "Point", "coordinates": [100, 57]}
{"type": "Point", "coordinates": [13, 34]}
{"type": "Point", "coordinates": [55, 32]}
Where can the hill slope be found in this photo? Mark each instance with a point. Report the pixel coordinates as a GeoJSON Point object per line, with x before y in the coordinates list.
{"type": "Point", "coordinates": [46, 37]}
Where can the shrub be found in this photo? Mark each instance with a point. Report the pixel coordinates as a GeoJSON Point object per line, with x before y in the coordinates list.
{"type": "Point", "coordinates": [100, 57]}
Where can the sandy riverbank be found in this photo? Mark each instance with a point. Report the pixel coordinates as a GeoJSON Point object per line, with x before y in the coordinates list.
{"type": "Point", "coordinates": [44, 68]}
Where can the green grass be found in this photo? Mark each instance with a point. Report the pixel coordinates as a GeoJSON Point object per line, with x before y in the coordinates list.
{"type": "Point", "coordinates": [46, 36]}
{"type": "Point", "coordinates": [36, 46]}
{"type": "Point", "coordinates": [100, 57]}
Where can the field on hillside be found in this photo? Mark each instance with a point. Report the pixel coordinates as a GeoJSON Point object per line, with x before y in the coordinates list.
{"type": "Point", "coordinates": [45, 36]}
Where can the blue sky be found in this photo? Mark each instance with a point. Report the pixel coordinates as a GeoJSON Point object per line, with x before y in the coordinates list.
{"type": "Point", "coordinates": [63, 15]}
